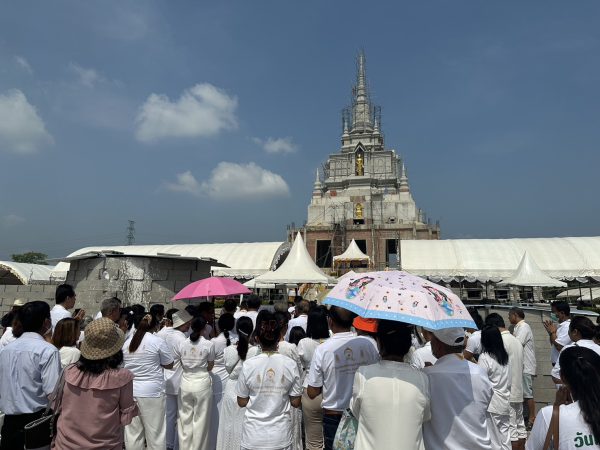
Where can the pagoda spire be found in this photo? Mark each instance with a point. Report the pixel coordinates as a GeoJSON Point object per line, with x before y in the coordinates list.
{"type": "Point", "coordinates": [317, 186]}
{"type": "Point", "coordinates": [404, 186]}
{"type": "Point", "coordinates": [362, 117]}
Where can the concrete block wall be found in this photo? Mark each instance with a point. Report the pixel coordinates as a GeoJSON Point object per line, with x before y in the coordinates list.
{"type": "Point", "coordinates": [9, 293]}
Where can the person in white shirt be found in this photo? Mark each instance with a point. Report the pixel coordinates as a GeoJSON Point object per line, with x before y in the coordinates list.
{"type": "Point", "coordinates": [253, 303]}
{"type": "Point", "coordinates": [64, 338]}
{"type": "Point", "coordinates": [333, 367]}
{"type": "Point", "coordinates": [390, 399]}
{"type": "Point", "coordinates": [65, 299]}
{"type": "Point", "coordinates": [302, 309]}
{"type": "Point", "coordinates": [460, 393]}
{"type": "Point", "coordinates": [174, 335]}
{"type": "Point", "coordinates": [423, 357]}
{"type": "Point", "coordinates": [317, 332]}
{"type": "Point", "coordinates": [576, 404]}
{"type": "Point", "coordinates": [29, 371]}
{"type": "Point", "coordinates": [146, 355]}
{"type": "Point", "coordinates": [581, 332]}
{"type": "Point", "coordinates": [494, 359]}
{"type": "Point", "coordinates": [558, 334]}
{"type": "Point", "coordinates": [268, 387]}
{"type": "Point", "coordinates": [473, 343]}
{"type": "Point", "coordinates": [522, 331]}
{"type": "Point", "coordinates": [518, 432]}
{"type": "Point", "coordinates": [197, 356]}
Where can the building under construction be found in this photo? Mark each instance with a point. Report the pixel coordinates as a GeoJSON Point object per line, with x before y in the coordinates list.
{"type": "Point", "coordinates": [363, 193]}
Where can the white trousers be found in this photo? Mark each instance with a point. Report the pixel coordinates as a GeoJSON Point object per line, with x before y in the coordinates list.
{"type": "Point", "coordinates": [149, 425]}
{"type": "Point", "coordinates": [172, 440]}
{"type": "Point", "coordinates": [517, 422]}
{"type": "Point", "coordinates": [195, 408]}
{"type": "Point", "coordinates": [499, 426]}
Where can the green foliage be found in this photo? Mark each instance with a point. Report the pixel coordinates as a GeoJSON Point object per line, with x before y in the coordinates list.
{"type": "Point", "coordinates": [30, 258]}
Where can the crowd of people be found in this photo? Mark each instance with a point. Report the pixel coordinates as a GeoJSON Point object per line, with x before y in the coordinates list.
{"type": "Point", "coordinates": [273, 377]}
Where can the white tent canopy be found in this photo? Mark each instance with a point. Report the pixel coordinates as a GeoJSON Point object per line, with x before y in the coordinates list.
{"type": "Point", "coordinates": [297, 268]}
{"type": "Point", "coordinates": [495, 259]}
{"type": "Point", "coordinates": [529, 274]}
{"type": "Point", "coordinates": [22, 273]}
{"type": "Point", "coordinates": [583, 293]}
{"type": "Point", "coordinates": [352, 253]}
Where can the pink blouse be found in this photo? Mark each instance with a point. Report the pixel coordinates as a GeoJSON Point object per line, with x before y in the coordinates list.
{"type": "Point", "coordinates": [94, 409]}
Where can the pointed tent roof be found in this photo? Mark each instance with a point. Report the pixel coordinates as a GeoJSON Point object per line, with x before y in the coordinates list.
{"type": "Point", "coordinates": [297, 268]}
{"type": "Point", "coordinates": [352, 253]}
{"type": "Point", "coordinates": [529, 274]}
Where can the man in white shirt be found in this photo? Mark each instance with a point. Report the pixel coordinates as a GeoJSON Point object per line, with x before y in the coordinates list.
{"type": "Point", "coordinates": [29, 370]}
{"type": "Point", "coordinates": [460, 395]}
{"type": "Point", "coordinates": [65, 299]}
{"type": "Point", "coordinates": [558, 335]}
{"type": "Point", "coordinates": [333, 367]}
{"type": "Point", "coordinates": [522, 331]}
{"type": "Point", "coordinates": [423, 357]}
{"type": "Point", "coordinates": [513, 347]}
{"type": "Point", "coordinates": [300, 320]}
{"type": "Point", "coordinates": [253, 303]}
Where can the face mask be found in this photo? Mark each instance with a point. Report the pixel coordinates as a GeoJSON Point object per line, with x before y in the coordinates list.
{"type": "Point", "coordinates": [554, 317]}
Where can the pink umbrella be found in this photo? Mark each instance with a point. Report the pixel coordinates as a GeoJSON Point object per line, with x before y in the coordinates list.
{"type": "Point", "coordinates": [212, 287]}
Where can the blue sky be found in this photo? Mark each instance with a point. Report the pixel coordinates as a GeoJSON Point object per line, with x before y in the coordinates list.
{"type": "Point", "coordinates": [205, 121]}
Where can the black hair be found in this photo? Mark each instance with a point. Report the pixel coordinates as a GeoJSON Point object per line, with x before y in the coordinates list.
{"type": "Point", "coordinates": [17, 326]}
{"type": "Point", "coordinates": [229, 305]}
{"type": "Point", "coordinates": [585, 326]}
{"type": "Point", "coordinates": [316, 323]}
{"type": "Point", "coordinates": [226, 324]}
{"type": "Point", "coordinates": [297, 333]}
{"type": "Point", "coordinates": [476, 317]}
{"type": "Point", "coordinates": [269, 330]}
{"type": "Point", "coordinates": [395, 338]}
{"type": "Point", "coordinates": [143, 324]}
{"type": "Point", "coordinates": [580, 369]}
{"type": "Point", "coordinates": [561, 306]}
{"type": "Point", "coordinates": [517, 311]}
{"type": "Point", "coordinates": [170, 312]}
{"type": "Point", "coordinates": [283, 320]}
{"type": "Point", "coordinates": [98, 366]}
{"type": "Point", "coordinates": [341, 317]}
{"type": "Point", "coordinates": [157, 310]}
{"type": "Point", "coordinates": [33, 315]}
{"type": "Point", "coordinates": [138, 309]}
{"type": "Point", "coordinates": [495, 320]}
{"type": "Point", "coordinates": [244, 327]}
{"type": "Point", "coordinates": [127, 313]}
{"type": "Point", "coordinates": [197, 326]}
{"type": "Point", "coordinates": [192, 310]}
{"type": "Point", "coordinates": [253, 301]}
{"type": "Point", "coordinates": [493, 345]}
{"type": "Point", "coordinates": [7, 319]}
{"type": "Point", "coordinates": [63, 291]}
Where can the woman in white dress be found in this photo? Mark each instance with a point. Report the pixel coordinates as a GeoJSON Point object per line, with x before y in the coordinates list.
{"type": "Point", "coordinates": [219, 374]}
{"type": "Point", "coordinates": [197, 358]}
{"type": "Point", "coordinates": [494, 359]}
{"type": "Point", "coordinates": [231, 415]}
{"type": "Point", "coordinates": [268, 386]}
{"type": "Point", "coordinates": [317, 332]}
{"type": "Point", "coordinates": [65, 337]}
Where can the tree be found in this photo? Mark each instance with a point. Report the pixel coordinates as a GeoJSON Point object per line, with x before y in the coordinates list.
{"type": "Point", "coordinates": [30, 258]}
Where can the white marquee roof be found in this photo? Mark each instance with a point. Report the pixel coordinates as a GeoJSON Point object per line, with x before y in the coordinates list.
{"type": "Point", "coordinates": [496, 259]}
{"type": "Point", "coordinates": [297, 268]}
{"type": "Point", "coordinates": [352, 253]}
{"type": "Point", "coordinates": [24, 273]}
{"type": "Point", "coordinates": [529, 274]}
{"type": "Point", "coordinates": [244, 260]}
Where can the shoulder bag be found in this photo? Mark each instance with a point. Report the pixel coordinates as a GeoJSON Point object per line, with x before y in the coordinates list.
{"type": "Point", "coordinates": [345, 436]}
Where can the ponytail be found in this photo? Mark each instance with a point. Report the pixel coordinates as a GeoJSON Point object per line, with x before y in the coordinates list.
{"type": "Point", "coordinates": [244, 329]}
{"type": "Point", "coordinates": [144, 324]}
{"type": "Point", "coordinates": [197, 327]}
{"type": "Point", "coordinates": [226, 324]}
{"type": "Point", "coordinates": [580, 369]}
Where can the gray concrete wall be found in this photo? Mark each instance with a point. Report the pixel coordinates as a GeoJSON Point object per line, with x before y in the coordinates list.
{"type": "Point", "coordinates": [9, 293]}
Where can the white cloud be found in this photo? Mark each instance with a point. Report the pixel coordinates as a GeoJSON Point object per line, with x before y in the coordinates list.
{"type": "Point", "coordinates": [186, 182]}
{"type": "Point", "coordinates": [12, 220]}
{"type": "Point", "coordinates": [276, 145]}
{"type": "Point", "coordinates": [86, 77]}
{"type": "Point", "coordinates": [203, 110]}
{"type": "Point", "coordinates": [22, 130]}
{"type": "Point", "coordinates": [231, 181]}
{"type": "Point", "coordinates": [23, 64]}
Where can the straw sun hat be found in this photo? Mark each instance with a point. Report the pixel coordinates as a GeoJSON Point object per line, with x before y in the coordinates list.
{"type": "Point", "coordinates": [102, 339]}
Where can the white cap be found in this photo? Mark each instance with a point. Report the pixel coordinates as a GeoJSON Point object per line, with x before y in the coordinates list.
{"type": "Point", "coordinates": [451, 336]}
{"type": "Point", "coordinates": [181, 318]}
{"type": "Point", "coordinates": [19, 302]}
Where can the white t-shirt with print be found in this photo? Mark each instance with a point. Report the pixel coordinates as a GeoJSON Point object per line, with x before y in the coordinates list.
{"type": "Point", "coordinates": [195, 356]}
{"type": "Point", "coordinates": [145, 363]}
{"type": "Point", "coordinates": [334, 364]}
{"type": "Point", "coordinates": [500, 377]}
{"type": "Point", "coordinates": [268, 380]}
{"type": "Point", "coordinates": [574, 433]}
{"type": "Point", "coordinates": [562, 338]}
